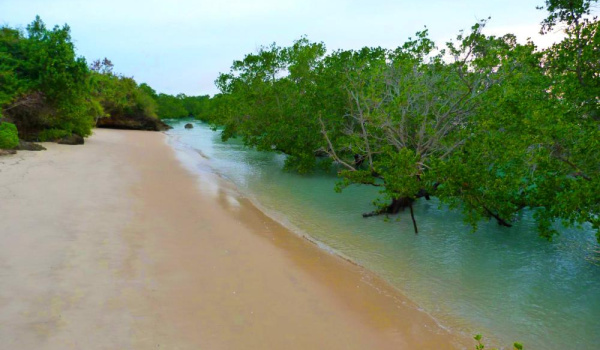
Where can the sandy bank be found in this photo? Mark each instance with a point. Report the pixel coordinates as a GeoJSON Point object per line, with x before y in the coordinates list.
{"type": "Point", "coordinates": [114, 245]}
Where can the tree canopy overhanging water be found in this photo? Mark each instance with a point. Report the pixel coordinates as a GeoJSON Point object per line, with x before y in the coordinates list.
{"type": "Point", "coordinates": [485, 124]}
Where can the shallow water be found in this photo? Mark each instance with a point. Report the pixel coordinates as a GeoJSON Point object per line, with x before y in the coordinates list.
{"type": "Point", "coordinates": [506, 283]}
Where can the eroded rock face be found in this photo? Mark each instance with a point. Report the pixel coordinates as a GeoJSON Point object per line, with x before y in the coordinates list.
{"type": "Point", "coordinates": [189, 126]}
{"type": "Point", "coordinates": [134, 122]}
{"type": "Point", "coordinates": [29, 146]}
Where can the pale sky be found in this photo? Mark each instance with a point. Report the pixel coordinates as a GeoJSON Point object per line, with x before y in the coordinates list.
{"type": "Point", "coordinates": [180, 46]}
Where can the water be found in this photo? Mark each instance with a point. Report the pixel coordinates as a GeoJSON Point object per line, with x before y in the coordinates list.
{"type": "Point", "coordinates": [506, 283]}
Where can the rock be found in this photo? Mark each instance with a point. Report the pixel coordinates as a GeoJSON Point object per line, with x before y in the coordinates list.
{"type": "Point", "coordinates": [132, 122]}
{"type": "Point", "coordinates": [71, 140]}
{"type": "Point", "coordinates": [5, 152]}
{"type": "Point", "coordinates": [29, 146]}
{"type": "Point", "coordinates": [189, 126]}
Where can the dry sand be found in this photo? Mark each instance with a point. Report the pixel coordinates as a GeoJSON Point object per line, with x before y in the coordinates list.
{"type": "Point", "coordinates": [115, 245]}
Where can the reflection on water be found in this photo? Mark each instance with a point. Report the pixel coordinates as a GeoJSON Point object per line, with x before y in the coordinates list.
{"type": "Point", "coordinates": [498, 281]}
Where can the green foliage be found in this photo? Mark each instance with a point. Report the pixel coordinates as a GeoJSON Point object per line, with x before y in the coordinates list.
{"type": "Point", "coordinates": [180, 106]}
{"type": "Point", "coordinates": [52, 134]}
{"type": "Point", "coordinates": [480, 346]}
{"type": "Point", "coordinates": [569, 12]}
{"type": "Point", "coordinates": [119, 96]}
{"type": "Point", "coordinates": [487, 125]}
{"type": "Point", "coordinates": [43, 84]}
{"type": "Point", "coordinates": [271, 112]}
{"type": "Point", "coordinates": [49, 92]}
{"type": "Point", "coordinates": [9, 138]}
{"type": "Point", "coordinates": [171, 107]}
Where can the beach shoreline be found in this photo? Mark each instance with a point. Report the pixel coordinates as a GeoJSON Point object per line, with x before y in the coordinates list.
{"type": "Point", "coordinates": [114, 244]}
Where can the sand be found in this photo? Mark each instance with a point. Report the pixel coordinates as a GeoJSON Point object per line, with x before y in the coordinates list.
{"type": "Point", "coordinates": [115, 245]}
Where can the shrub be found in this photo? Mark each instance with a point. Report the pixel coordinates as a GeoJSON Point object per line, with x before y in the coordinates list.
{"type": "Point", "coordinates": [52, 135]}
{"type": "Point", "coordinates": [9, 137]}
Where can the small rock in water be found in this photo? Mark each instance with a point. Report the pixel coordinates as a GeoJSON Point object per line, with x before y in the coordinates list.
{"type": "Point", "coordinates": [189, 126]}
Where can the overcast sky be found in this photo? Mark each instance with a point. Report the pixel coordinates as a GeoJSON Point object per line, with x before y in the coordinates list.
{"type": "Point", "coordinates": [182, 45]}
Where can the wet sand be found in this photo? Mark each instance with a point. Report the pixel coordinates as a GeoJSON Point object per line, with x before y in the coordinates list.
{"type": "Point", "coordinates": [115, 245]}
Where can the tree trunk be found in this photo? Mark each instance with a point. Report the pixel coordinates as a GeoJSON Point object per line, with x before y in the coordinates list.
{"type": "Point", "coordinates": [499, 220]}
{"type": "Point", "coordinates": [397, 205]}
{"type": "Point", "coordinates": [393, 208]}
{"type": "Point", "coordinates": [412, 216]}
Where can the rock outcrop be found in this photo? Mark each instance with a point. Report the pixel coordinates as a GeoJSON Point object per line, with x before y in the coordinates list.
{"type": "Point", "coordinates": [5, 152]}
{"type": "Point", "coordinates": [73, 139]}
{"type": "Point", "coordinates": [29, 146]}
{"type": "Point", "coordinates": [133, 122]}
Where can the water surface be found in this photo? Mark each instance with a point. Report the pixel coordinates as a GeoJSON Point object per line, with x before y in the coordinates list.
{"type": "Point", "coordinates": [506, 283]}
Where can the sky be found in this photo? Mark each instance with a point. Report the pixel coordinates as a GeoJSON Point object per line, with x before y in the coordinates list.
{"type": "Point", "coordinates": [181, 46]}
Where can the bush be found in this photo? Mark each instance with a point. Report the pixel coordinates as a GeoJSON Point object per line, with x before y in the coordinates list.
{"type": "Point", "coordinates": [52, 135]}
{"type": "Point", "coordinates": [9, 137]}
{"type": "Point", "coordinates": [43, 83]}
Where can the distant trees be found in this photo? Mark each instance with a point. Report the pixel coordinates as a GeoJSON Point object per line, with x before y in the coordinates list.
{"type": "Point", "coordinates": [119, 96]}
{"type": "Point", "coordinates": [485, 124]}
{"type": "Point", "coordinates": [179, 106]}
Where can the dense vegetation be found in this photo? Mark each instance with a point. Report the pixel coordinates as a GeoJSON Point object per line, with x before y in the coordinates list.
{"type": "Point", "coordinates": [43, 85]}
{"type": "Point", "coordinates": [118, 95]}
{"type": "Point", "coordinates": [485, 124]}
{"type": "Point", "coordinates": [50, 93]}
{"type": "Point", "coordinates": [180, 106]}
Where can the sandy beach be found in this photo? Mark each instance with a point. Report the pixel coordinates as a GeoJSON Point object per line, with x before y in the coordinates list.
{"type": "Point", "coordinates": [115, 245]}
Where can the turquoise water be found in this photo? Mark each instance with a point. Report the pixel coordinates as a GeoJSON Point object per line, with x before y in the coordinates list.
{"type": "Point", "coordinates": [506, 283]}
